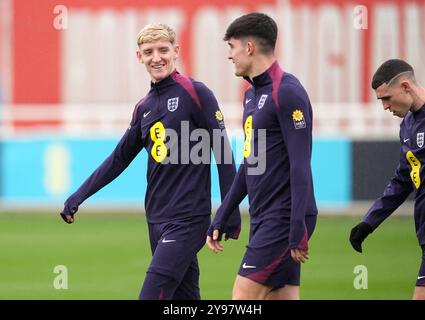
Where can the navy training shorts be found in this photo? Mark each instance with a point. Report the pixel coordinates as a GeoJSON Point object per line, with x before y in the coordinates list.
{"type": "Point", "coordinates": [267, 259]}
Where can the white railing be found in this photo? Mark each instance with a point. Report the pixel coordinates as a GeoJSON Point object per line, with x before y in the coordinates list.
{"type": "Point", "coordinates": [354, 121]}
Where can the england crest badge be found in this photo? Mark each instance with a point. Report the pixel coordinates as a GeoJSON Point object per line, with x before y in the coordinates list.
{"type": "Point", "coordinates": [173, 104]}
{"type": "Point", "coordinates": [420, 139]}
{"type": "Point", "coordinates": [262, 101]}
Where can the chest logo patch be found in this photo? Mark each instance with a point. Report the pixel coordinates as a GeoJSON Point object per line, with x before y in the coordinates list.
{"type": "Point", "coordinates": [159, 150]}
{"type": "Point", "coordinates": [298, 118]}
{"type": "Point", "coordinates": [219, 116]}
{"type": "Point", "coordinates": [420, 139]}
{"type": "Point", "coordinates": [262, 101]}
{"type": "Point", "coordinates": [248, 136]}
{"type": "Point", "coordinates": [220, 119]}
{"type": "Point", "coordinates": [173, 104]}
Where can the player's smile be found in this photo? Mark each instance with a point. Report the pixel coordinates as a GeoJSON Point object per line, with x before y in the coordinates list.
{"type": "Point", "coordinates": [158, 66]}
{"type": "Point", "coordinates": [158, 69]}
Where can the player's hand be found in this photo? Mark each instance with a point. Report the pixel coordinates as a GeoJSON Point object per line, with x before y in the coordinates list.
{"type": "Point", "coordinates": [232, 228]}
{"type": "Point", "coordinates": [213, 242]}
{"type": "Point", "coordinates": [68, 214]}
{"type": "Point", "coordinates": [232, 232]}
{"type": "Point", "coordinates": [299, 255]}
{"type": "Point", "coordinates": [358, 234]}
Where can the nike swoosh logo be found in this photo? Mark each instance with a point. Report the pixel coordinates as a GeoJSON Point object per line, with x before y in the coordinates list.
{"type": "Point", "coordinates": [146, 114]}
{"type": "Point", "coordinates": [247, 101]}
{"type": "Point", "coordinates": [405, 140]}
{"type": "Point", "coordinates": [245, 266]}
{"type": "Point", "coordinates": [166, 241]}
{"type": "Point", "coordinates": [421, 277]}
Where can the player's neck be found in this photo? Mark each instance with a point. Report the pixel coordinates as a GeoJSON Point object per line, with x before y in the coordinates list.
{"type": "Point", "coordinates": [418, 98]}
{"type": "Point", "coordinates": [260, 65]}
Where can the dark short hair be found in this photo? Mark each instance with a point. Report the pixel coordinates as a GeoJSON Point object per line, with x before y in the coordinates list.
{"type": "Point", "coordinates": [388, 70]}
{"type": "Point", "coordinates": [258, 25]}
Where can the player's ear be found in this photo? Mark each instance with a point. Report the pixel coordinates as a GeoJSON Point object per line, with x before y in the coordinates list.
{"type": "Point", "coordinates": [405, 84]}
{"type": "Point", "coordinates": [176, 51]}
{"type": "Point", "coordinates": [139, 56]}
{"type": "Point", "coordinates": [250, 47]}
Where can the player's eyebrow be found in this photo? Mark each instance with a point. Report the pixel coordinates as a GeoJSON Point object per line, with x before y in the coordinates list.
{"type": "Point", "coordinates": [383, 98]}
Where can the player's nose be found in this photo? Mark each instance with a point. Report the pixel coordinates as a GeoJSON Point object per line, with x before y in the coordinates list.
{"type": "Point", "coordinates": [229, 56]}
{"type": "Point", "coordinates": [386, 105]}
{"type": "Point", "coordinates": [156, 57]}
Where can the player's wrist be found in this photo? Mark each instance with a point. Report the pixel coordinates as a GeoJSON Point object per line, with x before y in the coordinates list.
{"type": "Point", "coordinates": [365, 228]}
{"type": "Point", "coordinates": [214, 226]}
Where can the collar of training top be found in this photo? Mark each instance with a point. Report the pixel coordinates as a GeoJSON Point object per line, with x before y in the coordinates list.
{"type": "Point", "coordinates": [264, 78]}
{"type": "Point", "coordinates": [165, 82]}
{"type": "Point", "coordinates": [419, 114]}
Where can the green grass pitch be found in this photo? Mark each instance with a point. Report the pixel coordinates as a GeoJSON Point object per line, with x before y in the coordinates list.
{"type": "Point", "coordinates": [107, 256]}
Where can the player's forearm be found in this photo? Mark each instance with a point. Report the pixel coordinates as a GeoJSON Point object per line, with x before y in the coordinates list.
{"type": "Point", "coordinates": [301, 186]}
{"type": "Point", "coordinates": [395, 194]}
{"type": "Point", "coordinates": [302, 202]}
{"type": "Point", "coordinates": [103, 175]}
{"type": "Point", "coordinates": [298, 238]}
{"type": "Point", "coordinates": [233, 198]}
{"type": "Point", "coordinates": [226, 176]}
{"type": "Point", "coordinates": [297, 229]}
{"type": "Point", "coordinates": [226, 166]}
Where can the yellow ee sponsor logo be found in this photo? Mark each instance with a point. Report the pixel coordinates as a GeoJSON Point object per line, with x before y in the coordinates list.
{"type": "Point", "coordinates": [248, 136]}
{"type": "Point", "coordinates": [159, 150]}
{"type": "Point", "coordinates": [416, 166]}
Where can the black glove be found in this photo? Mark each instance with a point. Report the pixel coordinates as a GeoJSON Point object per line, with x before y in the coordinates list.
{"type": "Point", "coordinates": [68, 210]}
{"type": "Point", "coordinates": [358, 234]}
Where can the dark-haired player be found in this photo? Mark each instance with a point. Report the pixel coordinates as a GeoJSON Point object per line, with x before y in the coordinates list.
{"type": "Point", "coordinates": [178, 195]}
{"type": "Point", "coordinates": [277, 121]}
{"type": "Point", "coordinates": [395, 85]}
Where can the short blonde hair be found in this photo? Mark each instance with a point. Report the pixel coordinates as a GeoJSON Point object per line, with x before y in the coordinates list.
{"type": "Point", "coordinates": [156, 31]}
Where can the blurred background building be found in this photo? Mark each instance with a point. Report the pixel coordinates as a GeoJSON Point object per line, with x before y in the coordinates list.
{"type": "Point", "coordinates": [69, 81]}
